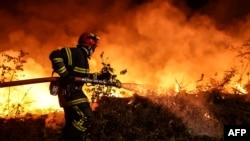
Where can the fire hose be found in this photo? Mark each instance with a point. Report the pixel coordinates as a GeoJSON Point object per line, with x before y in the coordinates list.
{"type": "Point", "coordinates": [115, 83]}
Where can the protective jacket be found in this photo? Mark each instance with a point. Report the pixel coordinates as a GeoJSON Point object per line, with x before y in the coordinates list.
{"type": "Point", "coordinates": [71, 61]}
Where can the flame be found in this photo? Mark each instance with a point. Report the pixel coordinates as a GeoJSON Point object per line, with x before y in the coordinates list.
{"type": "Point", "coordinates": [33, 98]}
{"type": "Point", "coordinates": [158, 42]}
{"type": "Point", "coordinates": [240, 89]}
{"type": "Point", "coordinates": [177, 88]}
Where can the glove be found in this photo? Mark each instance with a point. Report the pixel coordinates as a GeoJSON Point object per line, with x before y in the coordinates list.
{"type": "Point", "coordinates": [117, 84]}
{"type": "Point", "coordinates": [104, 76]}
{"type": "Point", "coordinates": [65, 80]}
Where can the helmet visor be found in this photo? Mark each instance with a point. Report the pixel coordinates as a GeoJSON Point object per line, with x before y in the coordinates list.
{"type": "Point", "coordinates": [93, 36]}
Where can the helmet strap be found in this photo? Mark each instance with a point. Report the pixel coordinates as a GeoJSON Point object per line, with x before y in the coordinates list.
{"type": "Point", "coordinates": [89, 50]}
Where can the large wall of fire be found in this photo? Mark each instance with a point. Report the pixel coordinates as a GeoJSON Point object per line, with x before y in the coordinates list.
{"type": "Point", "coordinates": [157, 41]}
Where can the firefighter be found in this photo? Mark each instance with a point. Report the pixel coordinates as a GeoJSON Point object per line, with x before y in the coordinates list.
{"type": "Point", "coordinates": [70, 62]}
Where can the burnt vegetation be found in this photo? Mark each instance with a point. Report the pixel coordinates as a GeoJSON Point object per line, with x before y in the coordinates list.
{"type": "Point", "coordinates": [142, 119]}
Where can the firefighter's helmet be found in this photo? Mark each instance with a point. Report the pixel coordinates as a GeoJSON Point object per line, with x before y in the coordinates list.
{"type": "Point", "coordinates": [88, 39]}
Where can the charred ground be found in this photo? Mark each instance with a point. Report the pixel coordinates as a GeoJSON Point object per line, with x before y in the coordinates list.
{"type": "Point", "coordinates": [182, 117]}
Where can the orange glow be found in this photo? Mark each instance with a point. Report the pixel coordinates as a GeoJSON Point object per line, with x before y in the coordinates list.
{"type": "Point", "coordinates": [33, 98]}
{"type": "Point", "coordinates": [158, 43]}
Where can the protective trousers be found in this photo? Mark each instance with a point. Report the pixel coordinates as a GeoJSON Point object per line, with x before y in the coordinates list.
{"type": "Point", "coordinates": [77, 120]}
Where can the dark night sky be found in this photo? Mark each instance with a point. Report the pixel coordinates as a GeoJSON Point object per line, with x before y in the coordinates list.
{"type": "Point", "coordinates": [223, 11]}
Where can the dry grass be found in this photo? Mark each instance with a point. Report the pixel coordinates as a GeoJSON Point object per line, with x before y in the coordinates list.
{"type": "Point", "coordinates": [155, 118]}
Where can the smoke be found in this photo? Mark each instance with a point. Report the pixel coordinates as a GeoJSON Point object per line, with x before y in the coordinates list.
{"type": "Point", "coordinates": [157, 41]}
